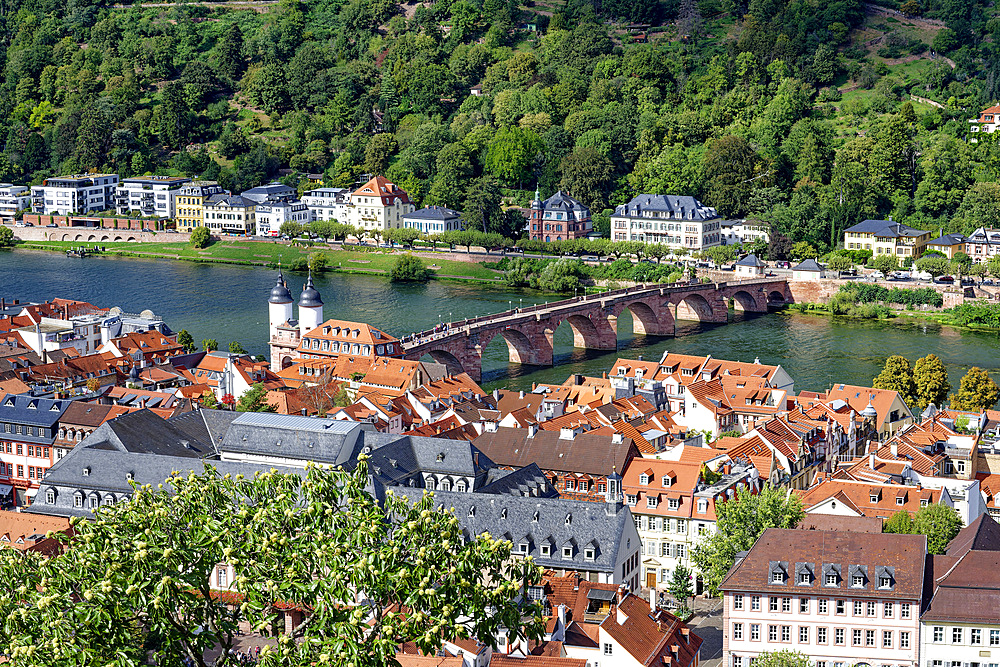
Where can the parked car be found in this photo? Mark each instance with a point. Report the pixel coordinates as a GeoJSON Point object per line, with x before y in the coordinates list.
{"type": "Point", "coordinates": [945, 280]}
{"type": "Point", "coordinates": [876, 275]}
{"type": "Point", "coordinates": [988, 281]}
{"type": "Point", "coordinates": [782, 265]}
{"type": "Point", "coordinates": [968, 281]}
{"type": "Point", "coordinates": [52, 224]}
{"type": "Point", "coordinates": [29, 224]}
{"type": "Point", "coordinates": [19, 224]}
{"type": "Point", "coordinates": [922, 275]}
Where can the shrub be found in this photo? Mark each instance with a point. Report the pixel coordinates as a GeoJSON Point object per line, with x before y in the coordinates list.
{"type": "Point", "coordinates": [200, 237]}
{"type": "Point", "coordinates": [409, 268]}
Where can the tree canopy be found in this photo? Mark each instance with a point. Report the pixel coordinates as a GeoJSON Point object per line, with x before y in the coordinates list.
{"type": "Point", "coordinates": [739, 522]}
{"type": "Point", "coordinates": [139, 576]}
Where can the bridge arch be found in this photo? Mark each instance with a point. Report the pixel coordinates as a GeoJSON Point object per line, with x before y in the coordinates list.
{"type": "Point", "coordinates": [447, 359]}
{"type": "Point", "coordinates": [519, 346]}
{"type": "Point", "coordinates": [648, 319]}
{"type": "Point", "coordinates": [776, 298]}
{"type": "Point", "coordinates": [590, 332]}
{"type": "Point", "coordinates": [105, 237]}
{"type": "Point", "coordinates": [695, 307]}
{"type": "Point", "coordinates": [65, 237]}
{"type": "Point", "coordinates": [744, 300]}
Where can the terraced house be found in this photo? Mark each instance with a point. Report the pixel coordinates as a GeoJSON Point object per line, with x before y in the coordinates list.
{"type": "Point", "coordinates": [28, 429]}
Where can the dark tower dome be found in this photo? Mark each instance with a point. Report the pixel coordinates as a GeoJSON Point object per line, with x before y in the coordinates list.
{"type": "Point", "coordinates": [310, 297]}
{"type": "Point", "coordinates": [280, 293]}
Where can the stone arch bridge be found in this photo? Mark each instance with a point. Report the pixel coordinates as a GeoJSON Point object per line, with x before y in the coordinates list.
{"type": "Point", "coordinates": [593, 318]}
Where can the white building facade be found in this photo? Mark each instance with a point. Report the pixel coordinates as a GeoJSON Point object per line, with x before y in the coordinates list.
{"type": "Point", "coordinates": [13, 198]}
{"type": "Point", "coordinates": [149, 196]}
{"type": "Point", "coordinates": [328, 204]}
{"type": "Point", "coordinates": [81, 193]}
{"type": "Point", "coordinates": [840, 598]}
{"type": "Point", "coordinates": [270, 215]}
{"type": "Point", "coordinates": [674, 221]}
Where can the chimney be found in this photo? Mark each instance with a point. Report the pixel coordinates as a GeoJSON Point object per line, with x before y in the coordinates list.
{"type": "Point", "coordinates": [561, 611]}
{"type": "Point", "coordinates": [566, 433]}
{"type": "Point", "coordinates": [871, 459]}
{"type": "Point", "coordinates": [617, 438]}
{"type": "Point", "coordinates": [532, 430]}
{"type": "Point", "coordinates": [686, 634]}
{"type": "Point", "coordinates": [576, 581]}
{"type": "Point", "coordinates": [640, 357]}
{"type": "Point", "coordinates": [521, 394]}
{"type": "Point", "coordinates": [304, 412]}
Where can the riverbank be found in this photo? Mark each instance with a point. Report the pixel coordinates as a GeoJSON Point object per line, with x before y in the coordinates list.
{"type": "Point", "coordinates": [269, 253]}
{"type": "Point", "coordinates": [892, 316]}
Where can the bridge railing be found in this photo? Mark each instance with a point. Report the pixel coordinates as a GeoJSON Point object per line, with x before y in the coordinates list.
{"type": "Point", "coordinates": [459, 327]}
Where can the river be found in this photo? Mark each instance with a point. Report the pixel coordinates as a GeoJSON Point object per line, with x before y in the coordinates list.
{"type": "Point", "coordinates": [229, 302]}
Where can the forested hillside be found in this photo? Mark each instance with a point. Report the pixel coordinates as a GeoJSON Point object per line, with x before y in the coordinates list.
{"type": "Point", "coordinates": [797, 112]}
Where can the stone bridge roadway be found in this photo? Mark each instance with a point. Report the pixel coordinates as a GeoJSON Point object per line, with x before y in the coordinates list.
{"type": "Point", "coordinates": [594, 320]}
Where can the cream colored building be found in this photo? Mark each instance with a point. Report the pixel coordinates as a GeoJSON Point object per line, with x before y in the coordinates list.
{"type": "Point", "coordinates": [886, 237]}
{"type": "Point", "coordinates": [230, 214]}
{"type": "Point", "coordinates": [379, 204]}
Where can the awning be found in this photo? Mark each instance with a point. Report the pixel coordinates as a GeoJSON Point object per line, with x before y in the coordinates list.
{"type": "Point", "coordinates": [5, 489]}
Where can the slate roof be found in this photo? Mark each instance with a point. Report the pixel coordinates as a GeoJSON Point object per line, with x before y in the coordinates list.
{"type": "Point", "coordinates": [682, 207]}
{"type": "Point", "coordinates": [809, 265]}
{"type": "Point", "coordinates": [234, 201]}
{"type": "Point", "coordinates": [293, 437]}
{"type": "Point", "coordinates": [208, 426]}
{"type": "Point", "coordinates": [263, 193]}
{"type": "Point", "coordinates": [750, 260]}
{"type": "Point", "coordinates": [578, 524]}
{"type": "Point", "coordinates": [948, 240]}
{"type": "Point", "coordinates": [434, 213]}
{"type": "Point", "coordinates": [394, 459]}
{"type": "Point", "coordinates": [105, 473]}
{"type": "Point", "coordinates": [22, 409]}
{"type": "Point", "coordinates": [143, 432]}
{"type": "Point", "coordinates": [526, 481]}
{"type": "Point", "coordinates": [843, 551]}
{"type": "Point", "coordinates": [562, 201]}
{"type": "Point", "coordinates": [885, 229]}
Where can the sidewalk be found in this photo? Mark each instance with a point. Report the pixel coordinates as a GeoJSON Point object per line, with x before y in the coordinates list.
{"type": "Point", "coordinates": [707, 624]}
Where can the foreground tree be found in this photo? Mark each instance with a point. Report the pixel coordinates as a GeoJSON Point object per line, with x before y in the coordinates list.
{"type": "Point", "coordinates": [901, 522]}
{"type": "Point", "coordinates": [939, 523]}
{"type": "Point", "coordinates": [897, 376]}
{"type": "Point", "coordinates": [209, 344]}
{"type": "Point", "coordinates": [977, 391]}
{"type": "Point", "coordinates": [680, 585]}
{"type": "Point", "coordinates": [137, 578]}
{"type": "Point", "coordinates": [930, 380]}
{"type": "Point", "coordinates": [185, 340]}
{"type": "Point", "coordinates": [739, 522]}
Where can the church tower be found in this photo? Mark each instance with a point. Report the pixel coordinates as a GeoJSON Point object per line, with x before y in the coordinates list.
{"type": "Point", "coordinates": [310, 308]}
{"type": "Point", "coordinates": [279, 306]}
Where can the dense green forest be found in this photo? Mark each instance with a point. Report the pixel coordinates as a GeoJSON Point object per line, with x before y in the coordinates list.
{"type": "Point", "coordinates": [797, 112]}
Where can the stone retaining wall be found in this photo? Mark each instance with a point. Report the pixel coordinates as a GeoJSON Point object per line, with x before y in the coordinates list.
{"type": "Point", "coordinates": [96, 235]}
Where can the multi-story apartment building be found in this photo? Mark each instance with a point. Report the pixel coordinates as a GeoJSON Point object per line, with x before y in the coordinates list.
{"type": "Point", "coordinates": [987, 122]}
{"type": "Point", "coordinates": [378, 204]}
{"type": "Point", "coordinates": [841, 598]}
{"type": "Point", "coordinates": [28, 428]}
{"type": "Point", "coordinates": [271, 192]}
{"type": "Point", "coordinates": [230, 214]}
{"type": "Point", "coordinates": [744, 231]}
{"type": "Point", "coordinates": [80, 193]}
{"type": "Point", "coordinates": [674, 221]}
{"type": "Point", "coordinates": [149, 195]}
{"type": "Point", "coordinates": [558, 218]}
{"type": "Point", "coordinates": [13, 198]}
{"type": "Point", "coordinates": [328, 204]}
{"type": "Point", "coordinates": [983, 244]}
{"type": "Point", "coordinates": [674, 509]}
{"type": "Point", "coordinates": [271, 214]}
{"type": "Point", "coordinates": [434, 220]}
{"type": "Point", "coordinates": [886, 237]}
{"type": "Point", "coordinates": [191, 203]}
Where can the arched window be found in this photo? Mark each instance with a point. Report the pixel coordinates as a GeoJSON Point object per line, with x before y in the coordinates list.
{"type": "Point", "coordinates": [78, 499]}
{"type": "Point", "coordinates": [446, 485]}
{"type": "Point", "coordinates": [95, 501]}
{"type": "Point", "coordinates": [50, 496]}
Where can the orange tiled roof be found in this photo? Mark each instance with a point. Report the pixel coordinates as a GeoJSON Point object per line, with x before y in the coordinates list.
{"type": "Point", "coordinates": [889, 498]}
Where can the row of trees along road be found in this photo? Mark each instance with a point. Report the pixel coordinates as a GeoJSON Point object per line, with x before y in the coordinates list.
{"type": "Point", "coordinates": [135, 580]}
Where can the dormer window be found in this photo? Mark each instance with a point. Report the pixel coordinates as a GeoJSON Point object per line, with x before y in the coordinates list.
{"type": "Point", "coordinates": [873, 498]}
{"type": "Point", "coordinates": [804, 577]}
{"type": "Point", "coordinates": [667, 480]}
{"type": "Point", "coordinates": [777, 577]}
{"type": "Point", "coordinates": [86, 471]}
{"type": "Point", "coordinates": [472, 511]}
{"type": "Point", "coordinates": [884, 582]}
{"type": "Point", "coordinates": [899, 500]}
{"type": "Point", "coordinates": [588, 554]}
{"type": "Point", "coordinates": [857, 580]}
{"type": "Point", "coordinates": [546, 550]}
{"type": "Point", "coordinates": [702, 505]}
{"type": "Point", "coordinates": [923, 502]}
{"type": "Point", "coordinates": [567, 552]}
{"type": "Point", "coordinates": [569, 519]}
{"type": "Point", "coordinates": [644, 478]}
{"type": "Point", "coordinates": [673, 503]}
{"type": "Point", "coordinates": [651, 502]}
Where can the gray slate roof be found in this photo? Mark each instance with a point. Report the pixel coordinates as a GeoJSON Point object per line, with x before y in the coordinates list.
{"type": "Point", "coordinates": [681, 206]}
{"type": "Point", "coordinates": [750, 260]}
{"type": "Point", "coordinates": [526, 481]}
{"type": "Point", "coordinates": [809, 265]}
{"type": "Point", "coordinates": [577, 524]}
{"type": "Point", "coordinates": [30, 411]}
{"type": "Point", "coordinates": [885, 229]}
{"type": "Point", "coordinates": [90, 471]}
{"type": "Point", "coordinates": [948, 240]}
{"type": "Point", "coordinates": [262, 193]}
{"type": "Point", "coordinates": [562, 201]}
{"type": "Point", "coordinates": [235, 201]}
{"type": "Point", "coordinates": [208, 426]}
{"type": "Point", "coordinates": [293, 437]}
{"type": "Point", "coordinates": [434, 213]}
{"type": "Point", "coordinates": [143, 432]}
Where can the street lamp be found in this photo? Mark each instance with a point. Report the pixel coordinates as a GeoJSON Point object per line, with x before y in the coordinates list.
{"type": "Point", "coordinates": [510, 305]}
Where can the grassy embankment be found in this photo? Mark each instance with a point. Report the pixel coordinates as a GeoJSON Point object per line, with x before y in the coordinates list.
{"type": "Point", "coordinates": [257, 253]}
